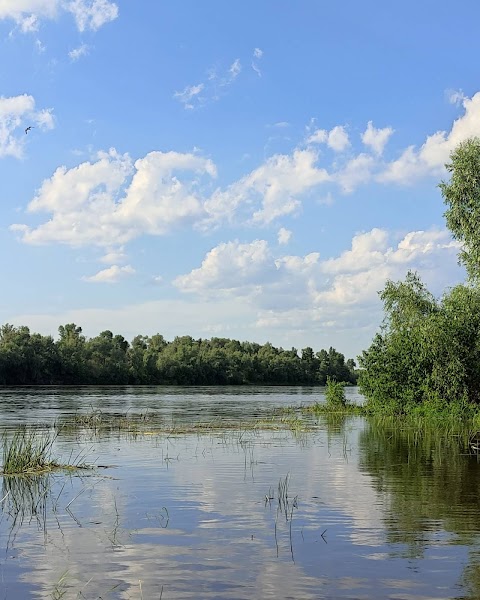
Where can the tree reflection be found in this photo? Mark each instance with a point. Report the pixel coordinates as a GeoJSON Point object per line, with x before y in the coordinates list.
{"type": "Point", "coordinates": [429, 482]}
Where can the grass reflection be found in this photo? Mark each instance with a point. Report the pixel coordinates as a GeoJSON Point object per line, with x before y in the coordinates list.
{"type": "Point", "coordinates": [25, 499]}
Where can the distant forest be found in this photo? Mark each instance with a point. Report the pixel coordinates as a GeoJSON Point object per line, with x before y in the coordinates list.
{"type": "Point", "coordinates": [34, 359]}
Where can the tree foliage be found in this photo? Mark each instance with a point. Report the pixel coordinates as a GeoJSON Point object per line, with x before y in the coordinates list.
{"type": "Point", "coordinates": [108, 359]}
{"type": "Point", "coordinates": [462, 196]}
{"type": "Point", "coordinates": [427, 352]}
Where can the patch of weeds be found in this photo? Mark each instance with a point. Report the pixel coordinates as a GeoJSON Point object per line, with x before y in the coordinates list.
{"type": "Point", "coordinates": [29, 452]}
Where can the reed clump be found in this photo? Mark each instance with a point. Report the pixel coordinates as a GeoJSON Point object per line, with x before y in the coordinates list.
{"type": "Point", "coordinates": [28, 451]}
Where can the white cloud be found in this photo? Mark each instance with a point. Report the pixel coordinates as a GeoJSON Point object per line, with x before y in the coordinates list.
{"type": "Point", "coordinates": [77, 53]}
{"type": "Point", "coordinates": [356, 171]}
{"type": "Point", "coordinates": [16, 113]}
{"type": "Point", "coordinates": [368, 250]}
{"type": "Point", "coordinates": [230, 266]}
{"type": "Point", "coordinates": [319, 136]}
{"type": "Point", "coordinates": [92, 14]}
{"type": "Point", "coordinates": [234, 71]}
{"type": "Point", "coordinates": [190, 94]}
{"type": "Point", "coordinates": [39, 46]}
{"type": "Point", "coordinates": [29, 24]}
{"type": "Point", "coordinates": [257, 55]}
{"type": "Point", "coordinates": [337, 138]}
{"type": "Point", "coordinates": [306, 292]}
{"type": "Point", "coordinates": [251, 291]}
{"type": "Point", "coordinates": [210, 90]}
{"type": "Point", "coordinates": [88, 14]}
{"type": "Point", "coordinates": [435, 151]}
{"type": "Point", "coordinates": [111, 275]}
{"type": "Point", "coordinates": [284, 236]}
{"type": "Point", "coordinates": [114, 255]}
{"type": "Point", "coordinates": [376, 139]}
{"type": "Point", "coordinates": [111, 201]}
{"type": "Point", "coordinates": [273, 188]}
{"type": "Point", "coordinates": [455, 97]}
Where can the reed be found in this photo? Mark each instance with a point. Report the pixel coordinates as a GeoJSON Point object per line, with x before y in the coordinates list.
{"type": "Point", "coordinates": [28, 452]}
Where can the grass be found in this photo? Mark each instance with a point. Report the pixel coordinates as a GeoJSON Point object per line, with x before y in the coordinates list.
{"type": "Point", "coordinates": [98, 422]}
{"type": "Point", "coordinates": [29, 452]}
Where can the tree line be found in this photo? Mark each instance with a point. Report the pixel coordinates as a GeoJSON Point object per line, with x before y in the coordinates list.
{"type": "Point", "coordinates": [426, 356]}
{"type": "Point", "coordinates": [107, 359]}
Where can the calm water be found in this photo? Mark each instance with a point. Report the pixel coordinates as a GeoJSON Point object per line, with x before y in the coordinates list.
{"type": "Point", "coordinates": [366, 514]}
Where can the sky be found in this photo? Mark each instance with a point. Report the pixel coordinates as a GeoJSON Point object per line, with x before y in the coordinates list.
{"type": "Point", "coordinates": [249, 170]}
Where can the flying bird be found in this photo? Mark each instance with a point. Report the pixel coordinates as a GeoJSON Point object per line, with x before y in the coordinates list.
{"type": "Point", "coordinates": [28, 129]}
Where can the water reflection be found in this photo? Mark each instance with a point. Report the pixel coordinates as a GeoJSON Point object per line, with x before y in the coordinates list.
{"type": "Point", "coordinates": [429, 485]}
{"type": "Point", "coordinates": [347, 510]}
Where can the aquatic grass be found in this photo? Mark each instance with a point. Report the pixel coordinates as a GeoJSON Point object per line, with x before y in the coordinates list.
{"type": "Point", "coordinates": [28, 452]}
{"type": "Point", "coordinates": [60, 588]}
{"type": "Point", "coordinates": [99, 423]}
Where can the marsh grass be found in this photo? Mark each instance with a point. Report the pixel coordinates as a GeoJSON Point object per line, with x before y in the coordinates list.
{"type": "Point", "coordinates": [98, 420]}
{"type": "Point", "coordinates": [28, 451]}
{"type": "Point", "coordinates": [99, 423]}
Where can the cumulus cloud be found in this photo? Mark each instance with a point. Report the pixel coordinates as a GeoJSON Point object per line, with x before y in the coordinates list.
{"type": "Point", "coordinates": [431, 157]}
{"type": "Point", "coordinates": [230, 266]}
{"type": "Point", "coordinates": [306, 289]}
{"type": "Point", "coordinates": [376, 139]}
{"type": "Point", "coordinates": [111, 201]}
{"type": "Point", "coordinates": [273, 188]}
{"type": "Point", "coordinates": [355, 172]}
{"type": "Point", "coordinates": [337, 138]}
{"type": "Point", "coordinates": [16, 113]}
{"type": "Point", "coordinates": [282, 298]}
{"type": "Point", "coordinates": [284, 236]}
{"type": "Point", "coordinates": [111, 275]}
{"type": "Point", "coordinates": [88, 14]}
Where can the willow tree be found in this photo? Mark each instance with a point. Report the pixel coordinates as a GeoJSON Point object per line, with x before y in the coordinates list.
{"type": "Point", "coordinates": [462, 196]}
{"type": "Point", "coordinates": [429, 350]}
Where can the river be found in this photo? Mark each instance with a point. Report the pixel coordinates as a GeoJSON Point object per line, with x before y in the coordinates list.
{"type": "Point", "coordinates": [341, 509]}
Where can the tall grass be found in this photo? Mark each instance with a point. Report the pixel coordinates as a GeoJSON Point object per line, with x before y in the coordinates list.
{"type": "Point", "coordinates": [28, 451]}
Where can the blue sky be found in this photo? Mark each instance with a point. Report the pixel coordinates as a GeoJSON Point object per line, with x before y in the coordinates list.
{"type": "Point", "coordinates": [250, 170]}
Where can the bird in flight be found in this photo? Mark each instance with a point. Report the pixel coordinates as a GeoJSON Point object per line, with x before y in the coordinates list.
{"type": "Point", "coordinates": [28, 129]}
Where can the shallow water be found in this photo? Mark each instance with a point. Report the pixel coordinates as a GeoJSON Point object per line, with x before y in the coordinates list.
{"type": "Point", "coordinates": [360, 513]}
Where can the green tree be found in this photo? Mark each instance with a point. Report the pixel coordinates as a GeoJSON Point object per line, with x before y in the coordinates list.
{"type": "Point", "coordinates": [71, 351]}
{"type": "Point", "coordinates": [462, 196]}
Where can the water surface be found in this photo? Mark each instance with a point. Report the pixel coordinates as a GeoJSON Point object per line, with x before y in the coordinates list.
{"type": "Point", "coordinates": [360, 513]}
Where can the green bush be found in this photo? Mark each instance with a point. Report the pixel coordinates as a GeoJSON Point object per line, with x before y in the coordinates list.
{"type": "Point", "coordinates": [335, 394]}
